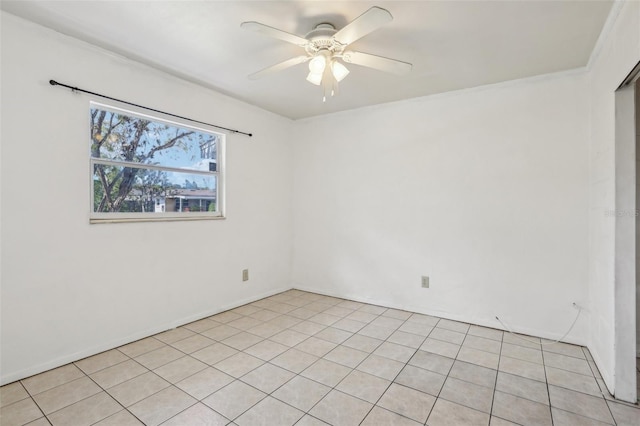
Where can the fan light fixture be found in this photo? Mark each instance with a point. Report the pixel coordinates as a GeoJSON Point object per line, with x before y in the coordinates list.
{"type": "Point", "coordinates": [324, 45]}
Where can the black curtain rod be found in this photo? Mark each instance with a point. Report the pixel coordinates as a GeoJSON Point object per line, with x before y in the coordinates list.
{"type": "Point", "coordinates": [75, 89]}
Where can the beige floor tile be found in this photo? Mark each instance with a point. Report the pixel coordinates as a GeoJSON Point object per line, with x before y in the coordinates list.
{"type": "Point", "coordinates": [214, 354]}
{"type": "Point", "coordinates": [204, 383]}
{"type": "Point", "coordinates": [246, 310]}
{"type": "Point", "coordinates": [424, 319]}
{"type": "Point", "coordinates": [234, 399]}
{"type": "Point", "coordinates": [364, 317]}
{"type": "Point", "coordinates": [265, 315]}
{"type": "Point", "coordinates": [482, 358]}
{"type": "Point", "coordinates": [447, 335]}
{"type": "Point", "coordinates": [497, 421]}
{"type": "Point", "coordinates": [180, 369]}
{"type": "Point", "coordinates": [565, 418]}
{"type": "Point", "coordinates": [568, 363]}
{"type": "Point", "coordinates": [289, 337]}
{"type": "Point", "coordinates": [520, 410]}
{"type": "Point", "coordinates": [563, 349]}
{"type": "Point", "coordinates": [197, 415]}
{"type": "Point", "coordinates": [302, 393]}
{"type": "Point", "coordinates": [193, 343]}
{"type": "Point", "coordinates": [101, 361]}
{"type": "Point", "coordinates": [350, 304]}
{"type": "Point", "coordinates": [408, 402]}
{"type": "Point", "coordinates": [270, 412]}
{"type": "Point", "coordinates": [416, 328]}
{"type": "Point", "coordinates": [440, 347]}
{"type": "Point", "coordinates": [381, 417]}
{"type": "Point", "coordinates": [221, 332]}
{"type": "Point", "coordinates": [579, 403]}
{"type": "Point", "coordinates": [523, 387]}
{"type": "Point", "coordinates": [159, 357]}
{"type": "Point", "coordinates": [406, 339]}
{"type": "Point", "coordinates": [432, 362]}
{"type": "Point", "coordinates": [487, 333]}
{"type": "Point", "coordinates": [285, 321]}
{"type": "Point", "coordinates": [340, 409]}
{"type": "Point", "coordinates": [266, 350]}
{"type": "Point", "coordinates": [522, 353]}
{"type": "Point", "coordinates": [372, 309]}
{"type": "Point", "coordinates": [346, 356]}
{"type": "Point", "coordinates": [161, 406]}
{"type": "Point", "coordinates": [334, 335]}
{"type": "Point", "coordinates": [52, 378]}
{"type": "Point", "coordinates": [267, 377]}
{"type": "Point", "coordinates": [225, 317]}
{"type": "Point", "coordinates": [483, 344]}
{"type": "Point", "coordinates": [326, 372]}
{"type": "Point", "coordinates": [474, 374]}
{"type": "Point", "coordinates": [19, 413]}
{"type": "Point", "coordinates": [294, 360]}
{"type": "Point", "coordinates": [364, 386]}
{"type": "Point", "coordinates": [397, 314]}
{"type": "Point", "coordinates": [362, 343]}
{"type": "Point", "coordinates": [201, 325]}
{"type": "Point", "coordinates": [315, 346]}
{"type": "Point", "coordinates": [173, 335]}
{"type": "Point", "coordinates": [625, 415]}
{"type": "Point", "coordinates": [121, 418]}
{"type": "Point", "coordinates": [265, 330]}
{"type": "Point", "coordinates": [244, 323]}
{"type": "Point", "coordinates": [573, 381]}
{"type": "Point", "coordinates": [387, 322]}
{"type": "Point", "coordinates": [242, 341]}
{"type": "Point", "coordinates": [394, 351]}
{"type": "Point", "coordinates": [338, 311]}
{"type": "Point", "coordinates": [422, 380]}
{"type": "Point", "coordinates": [117, 374]}
{"type": "Point", "coordinates": [138, 388]}
{"type": "Point", "coordinates": [325, 319]}
{"type": "Point", "coordinates": [522, 340]}
{"type": "Point", "coordinates": [86, 412]}
{"type": "Point", "coordinates": [308, 420]}
{"type": "Point", "coordinates": [381, 367]}
{"type": "Point", "coordinates": [349, 325]}
{"type": "Point", "coordinates": [303, 313]}
{"type": "Point", "coordinates": [67, 394]}
{"type": "Point", "coordinates": [239, 364]}
{"type": "Point", "coordinates": [309, 328]}
{"type": "Point", "coordinates": [530, 370]}
{"type": "Point", "coordinates": [377, 332]}
{"type": "Point", "coordinates": [458, 326]}
{"type": "Point", "coordinates": [446, 413]}
{"type": "Point", "coordinates": [467, 394]}
{"type": "Point", "coordinates": [42, 421]}
{"type": "Point", "coordinates": [140, 347]}
{"type": "Point", "coordinates": [11, 393]}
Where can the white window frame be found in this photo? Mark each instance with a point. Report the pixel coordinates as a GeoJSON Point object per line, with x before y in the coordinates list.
{"type": "Point", "coordinates": [110, 217]}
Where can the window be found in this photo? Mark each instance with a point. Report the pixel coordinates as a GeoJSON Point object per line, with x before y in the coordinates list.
{"type": "Point", "coordinates": [145, 168]}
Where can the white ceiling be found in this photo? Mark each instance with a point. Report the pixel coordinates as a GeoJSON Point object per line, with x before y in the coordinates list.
{"type": "Point", "coordinates": [452, 44]}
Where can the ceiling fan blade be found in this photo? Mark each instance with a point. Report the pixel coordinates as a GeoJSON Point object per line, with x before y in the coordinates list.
{"type": "Point", "coordinates": [378, 62]}
{"type": "Point", "coordinates": [368, 22]}
{"type": "Point", "coordinates": [274, 32]}
{"type": "Point", "coordinates": [279, 67]}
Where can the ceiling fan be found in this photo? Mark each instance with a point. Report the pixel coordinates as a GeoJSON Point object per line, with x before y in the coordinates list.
{"type": "Point", "coordinates": [324, 46]}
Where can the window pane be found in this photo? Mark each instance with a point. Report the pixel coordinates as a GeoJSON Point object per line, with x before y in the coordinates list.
{"type": "Point", "coordinates": [129, 190]}
{"type": "Point", "coordinates": [120, 137]}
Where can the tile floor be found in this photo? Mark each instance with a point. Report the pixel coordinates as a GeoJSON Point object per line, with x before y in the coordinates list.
{"type": "Point", "coordinates": [306, 359]}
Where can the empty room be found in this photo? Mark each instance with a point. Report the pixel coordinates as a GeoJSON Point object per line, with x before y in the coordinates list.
{"type": "Point", "coordinates": [319, 213]}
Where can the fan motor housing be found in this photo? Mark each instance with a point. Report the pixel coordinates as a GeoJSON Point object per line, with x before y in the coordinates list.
{"type": "Point", "coordinates": [321, 38]}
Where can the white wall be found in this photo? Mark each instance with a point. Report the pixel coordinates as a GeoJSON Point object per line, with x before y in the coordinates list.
{"type": "Point", "coordinates": [483, 190]}
{"type": "Point", "coordinates": [70, 289]}
{"type": "Point", "coordinates": [616, 56]}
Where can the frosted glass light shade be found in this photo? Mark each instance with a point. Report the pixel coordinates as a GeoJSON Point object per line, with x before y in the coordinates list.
{"type": "Point", "coordinates": [339, 70]}
{"type": "Point", "coordinates": [314, 78]}
{"type": "Point", "coordinates": [317, 64]}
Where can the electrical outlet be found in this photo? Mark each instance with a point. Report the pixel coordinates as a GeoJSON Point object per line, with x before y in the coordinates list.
{"type": "Point", "coordinates": [425, 281]}
{"type": "Point", "coordinates": [245, 275]}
